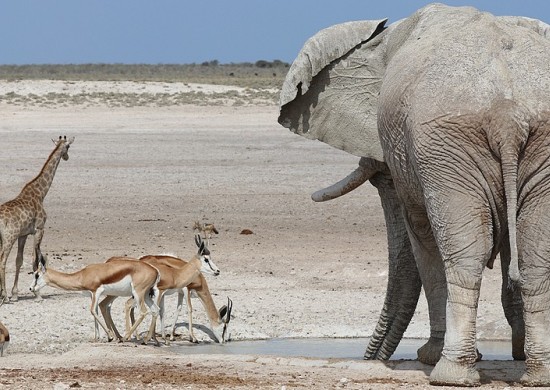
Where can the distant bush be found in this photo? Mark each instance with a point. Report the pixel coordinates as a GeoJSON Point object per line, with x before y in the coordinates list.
{"type": "Point", "coordinates": [210, 63]}
{"type": "Point", "coordinates": [271, 64]}
{"type": "Point", "coordinates": [261, 74]}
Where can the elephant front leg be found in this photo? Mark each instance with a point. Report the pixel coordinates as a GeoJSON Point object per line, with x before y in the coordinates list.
{"type": "Point", "coordinates": [404, 285]}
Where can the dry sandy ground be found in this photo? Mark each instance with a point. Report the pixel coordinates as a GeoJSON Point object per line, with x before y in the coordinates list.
{"type": "Point", "coordinates": [137, 179]}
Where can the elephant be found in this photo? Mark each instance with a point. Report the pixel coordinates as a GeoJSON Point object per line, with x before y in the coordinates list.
{"type": "Point", "coordinates": [449, 120]}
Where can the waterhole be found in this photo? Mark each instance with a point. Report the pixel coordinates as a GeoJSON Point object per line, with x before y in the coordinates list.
{"type": "Point", "coordinates": [322, 348]}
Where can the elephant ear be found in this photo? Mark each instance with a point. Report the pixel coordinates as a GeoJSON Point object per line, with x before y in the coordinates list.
{"type": "Point", "coordinates": [331, 90]}
{"type": "Point", "coordinates": [323, 48]}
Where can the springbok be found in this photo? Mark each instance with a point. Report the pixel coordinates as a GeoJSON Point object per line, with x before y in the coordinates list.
{"type": "Point", "coordinates": [174, 279]}
{"type": "Point", "coordinates": [219, 320]}
{"type": "Point", "coordinates": [4, 338]}
{"type": "Point", "coordinates": [119, 276]}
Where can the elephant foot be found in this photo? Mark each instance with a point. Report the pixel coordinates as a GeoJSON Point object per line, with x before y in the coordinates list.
{"type": "Point", "coordinates": [14, 297]}
{"type": "Point", "coordinates": [537, 375]}
{"type": "Point", "coordinates": [430, 352]}
{"type": "Point", "coordinates": [451, 373]}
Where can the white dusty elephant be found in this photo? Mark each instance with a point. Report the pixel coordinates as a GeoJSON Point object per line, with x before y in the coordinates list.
{"type": "Point", "coordinates": [461, 101]}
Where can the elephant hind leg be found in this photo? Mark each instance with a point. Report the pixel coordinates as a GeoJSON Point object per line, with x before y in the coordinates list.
{"type": "Point", "coordinates": [465, 241]}
{"type": "Point", "coordinates": [534, 255]}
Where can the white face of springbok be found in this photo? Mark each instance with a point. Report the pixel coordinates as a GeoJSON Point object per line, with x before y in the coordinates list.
{"type": "Point", "coordinates": [207, 265]}
{"type": "Point", "coordinates": [39, 275]}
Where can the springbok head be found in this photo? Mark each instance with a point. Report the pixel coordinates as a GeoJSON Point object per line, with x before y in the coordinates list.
{"type": "Point", "coordinates": [222, 334]}
{"type": "Point", "coordinates": [40, 275]}
{"type": "Point", "coordinates": [207, 265]}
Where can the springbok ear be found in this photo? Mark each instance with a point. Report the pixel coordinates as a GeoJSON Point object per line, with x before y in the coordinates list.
{"type": "Point", "coordinates": [223, 311]}
{"type": "Point", "coordinates": [71, 140]}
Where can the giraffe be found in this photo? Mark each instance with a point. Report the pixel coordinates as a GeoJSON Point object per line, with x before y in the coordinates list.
{"type": "Point", "coordinates": [25, 215]}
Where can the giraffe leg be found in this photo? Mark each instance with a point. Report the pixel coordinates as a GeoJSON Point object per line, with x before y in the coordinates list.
{"type": "Point", "coordinates": [4, 253]}
{"type": "Point", "coordinates": [37, 241]}
{"type": "Point", "coordinates": [3, 293]}
{"type": "Point", "coordinates": [18, 263]}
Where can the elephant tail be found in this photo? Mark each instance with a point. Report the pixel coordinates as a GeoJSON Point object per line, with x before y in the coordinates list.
{"type": "Point", "coordinates": [510, 178]}
{"type": "Point", "coordinates": [509, 130]}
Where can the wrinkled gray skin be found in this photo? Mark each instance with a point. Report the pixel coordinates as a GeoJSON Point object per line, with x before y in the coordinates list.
{"type": "Point", "coordinates": [462, 115]}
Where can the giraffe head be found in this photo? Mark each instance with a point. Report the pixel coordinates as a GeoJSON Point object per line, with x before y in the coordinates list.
{"type": "Point", "coordinates": [65, 144]}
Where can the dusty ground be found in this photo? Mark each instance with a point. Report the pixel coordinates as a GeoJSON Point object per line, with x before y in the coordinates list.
{"type": "Point", "coordinates": [137, 179]}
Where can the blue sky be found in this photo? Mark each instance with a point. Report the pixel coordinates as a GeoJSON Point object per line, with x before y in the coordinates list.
{"type": "Point", "coordinates": [187, 31]}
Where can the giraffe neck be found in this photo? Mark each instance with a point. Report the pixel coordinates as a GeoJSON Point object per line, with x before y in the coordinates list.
{"type": "Point", "coordinates": [39, 186]}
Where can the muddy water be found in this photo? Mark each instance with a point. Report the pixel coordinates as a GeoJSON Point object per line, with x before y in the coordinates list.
{"type": "Point", "coordinates": [330, 348]}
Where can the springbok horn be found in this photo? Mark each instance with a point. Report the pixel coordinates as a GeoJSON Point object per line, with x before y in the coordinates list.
{"type": "Point", "coordinates": [229, 308]}
{"type": "Point", "coordinates": [360, 175]}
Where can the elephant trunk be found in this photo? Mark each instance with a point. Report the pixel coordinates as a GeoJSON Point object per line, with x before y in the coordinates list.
{"type": "Point", "coordinates": [404, 284]}
{"type": "Point", "coordinates": [359, 176]}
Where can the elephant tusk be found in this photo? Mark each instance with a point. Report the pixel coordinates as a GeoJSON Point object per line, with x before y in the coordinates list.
{"type": "Point", "coordinates": [360, 175]}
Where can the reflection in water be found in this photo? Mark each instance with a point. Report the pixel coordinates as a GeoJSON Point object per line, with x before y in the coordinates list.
{"type": "Point", "coordinates": [351, 348]}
